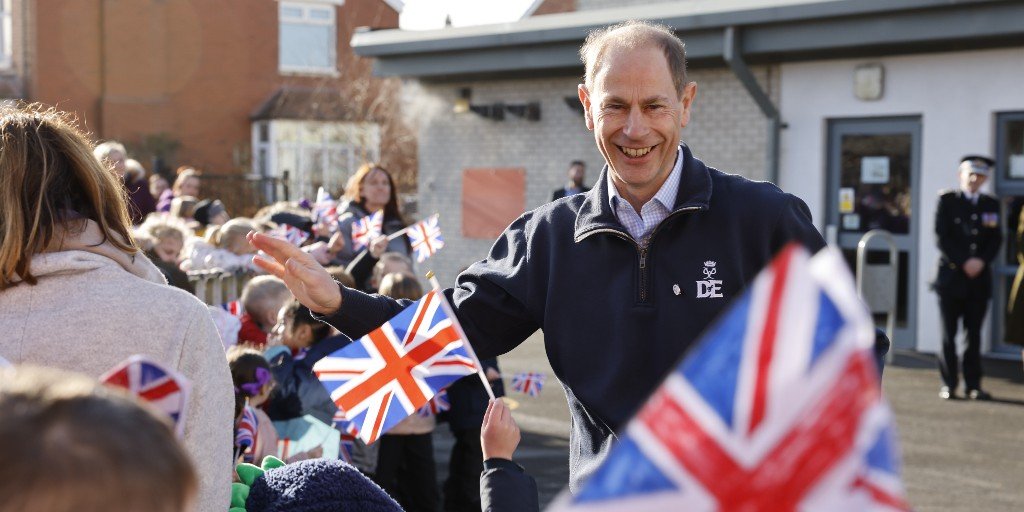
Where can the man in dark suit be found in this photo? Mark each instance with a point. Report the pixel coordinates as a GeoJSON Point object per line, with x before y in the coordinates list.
{"type": "Point", "coordinates": [967, 229]}
{"type": "Point", "coordinates": [577, 171]}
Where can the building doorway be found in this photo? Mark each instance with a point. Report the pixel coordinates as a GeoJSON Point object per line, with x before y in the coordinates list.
{"type": "Point", "coordinates": [873, 169]}
{"type": "Point", "coordinates": [1009, 187]}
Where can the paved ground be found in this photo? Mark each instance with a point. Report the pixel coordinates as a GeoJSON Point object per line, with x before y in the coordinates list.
{"type": "Point", "coordinates": [958, 455]}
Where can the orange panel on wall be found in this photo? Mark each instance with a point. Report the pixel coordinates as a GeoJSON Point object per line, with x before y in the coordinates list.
{"type": "Point", "coordinates": [491, 200]}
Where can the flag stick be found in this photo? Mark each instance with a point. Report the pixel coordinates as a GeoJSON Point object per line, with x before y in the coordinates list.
{"type": "Point", "coordinates": [402, 231]}
{"type": "Point", "coordinates": [399, 233]}
{"type": "Point", "coordinates": [458, 328]}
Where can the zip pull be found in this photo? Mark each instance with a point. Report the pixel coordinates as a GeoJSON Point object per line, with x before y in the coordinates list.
{"type": "Point", "coordinates": [643, 257]}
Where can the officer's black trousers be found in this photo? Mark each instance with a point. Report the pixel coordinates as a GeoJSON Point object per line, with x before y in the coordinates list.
{"type": "Point", "coordinates": [972, 311]}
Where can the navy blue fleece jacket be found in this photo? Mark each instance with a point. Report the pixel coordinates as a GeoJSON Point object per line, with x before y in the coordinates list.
{"type": "Point", "coordinates": [617, 316]}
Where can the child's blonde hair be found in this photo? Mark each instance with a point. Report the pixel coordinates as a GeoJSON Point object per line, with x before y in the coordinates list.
{"type": "Point", "coordinates": [70, 443]}
{"type": "Point", "coordinates": [159, 226]}
{"type": "Point", "coordinates": [226, 235]}
{"type": "Point", "coordinates": [400, 286]}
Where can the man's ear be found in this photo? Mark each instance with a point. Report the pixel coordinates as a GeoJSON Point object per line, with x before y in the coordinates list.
{"type": "Point", "coordinates": [585, 100]}
{"type": "Point", "coordinates": [689, 93]}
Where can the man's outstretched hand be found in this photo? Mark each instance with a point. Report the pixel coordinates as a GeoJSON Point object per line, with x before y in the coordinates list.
{"type": "Point", "coordinates": [308, 281]}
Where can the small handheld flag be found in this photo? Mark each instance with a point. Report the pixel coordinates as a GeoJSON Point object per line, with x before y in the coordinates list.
{"type": "Point", "coordinates": [290, 234]}
{"type": "Point", "coordinates": [366, 229]}
{"type": "Point", "coordinates": [777, 407]}
{"type": "Point", "coordinates": [245, 434]}
{"type": "Point", "coordinates": [391, 372]}
{"type": "Point", "coordinates": [325, 213]}
{"type": "Point", "coordinates": [152, 382]}
{"type": "Point", "coordinates": [528, 383]}
{"type": "Point", "coordinates": [436, 405]}
{"type": "Point", "coordinates": [425, 238]}
{"type": "Point", "coordinates": [234, 307]}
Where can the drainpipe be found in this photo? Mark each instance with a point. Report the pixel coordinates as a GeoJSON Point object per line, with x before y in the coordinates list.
{"type": "Point", "coordinates": [100, 129]}
{"type": "Point", "coordinates": [732, 53]}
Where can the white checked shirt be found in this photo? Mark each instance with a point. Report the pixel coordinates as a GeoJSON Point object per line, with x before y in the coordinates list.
{"type": "Point", "coordinates": [653, 212]}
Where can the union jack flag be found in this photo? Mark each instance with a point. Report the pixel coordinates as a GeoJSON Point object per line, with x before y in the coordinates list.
{"type": "Point", "coordinates": [425, 237]}
{"type": "Point", "coordinates": [348, 432]}
{"type": "Point", "coordinates": [325, 213]}
{"type": "Point", "coordinates": [290, 234]}
{"type": "Point", "coordinates": [366, 229]}
{"type": "Point", "coordinates": [776, 408]}
{"type": "Point", "coordinates": [234, 307]}
{"type": "Point", "coordinates": [392, 371]}
{"type": "Point", "coordinates": [150, 381]}
{"type": "Point", "coordinates": [528, 383]}
{"type": "Point", "coordinates": [245, 434]}
{"type": "Point", "coordinates": [436, 405]}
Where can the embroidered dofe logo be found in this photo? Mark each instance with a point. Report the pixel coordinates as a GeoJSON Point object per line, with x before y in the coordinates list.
{"type": "Point", "coordinates": [709, 288]}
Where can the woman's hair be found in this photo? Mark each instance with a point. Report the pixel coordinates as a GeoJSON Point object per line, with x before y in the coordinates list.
{"type": "Point", "coordinates": [73, 444]}
{"type": "Point", "coordinates": [400, 286]}
{"type": "Point", "coordinates": [301, 316]}
{"type": "Point", "coordinates": [158, 226]}
{"type": "Point", "coordinates": [245, 363]}
{"type": "Point", "coordinates": [354, 191]}
{"type": "Point", "coordinates": [49, 182]}
{"type": "Point", "coordinates": [225, 235]}
{"type": "Point", "coordinates": [184, 172]}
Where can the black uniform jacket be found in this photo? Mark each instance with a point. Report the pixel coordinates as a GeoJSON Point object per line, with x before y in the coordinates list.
{"type": "Point", "coordinates": [966, 230]}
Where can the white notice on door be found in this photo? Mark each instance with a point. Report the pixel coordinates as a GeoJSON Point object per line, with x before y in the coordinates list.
{"type": "Point", "coordinates": [874, 169]}
{"type": "Point", "coordinates": [1017, 166]}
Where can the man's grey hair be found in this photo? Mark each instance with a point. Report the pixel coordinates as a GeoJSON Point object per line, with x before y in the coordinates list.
{"type": "Point", "coordinates": [631, 35]}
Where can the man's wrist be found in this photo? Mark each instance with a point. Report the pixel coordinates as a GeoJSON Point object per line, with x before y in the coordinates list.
{"type": "Point", "coordinates": [332, 307]}
{"type": "Point", "coordinates": [501, 463]}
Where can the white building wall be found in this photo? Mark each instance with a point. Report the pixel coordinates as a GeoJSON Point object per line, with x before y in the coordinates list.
{"type": "Point", "coordinates": [957, 96]}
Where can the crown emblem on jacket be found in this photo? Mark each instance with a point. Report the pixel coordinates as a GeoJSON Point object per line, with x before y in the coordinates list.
{"type": "Point", "coordinates": [710, 264]}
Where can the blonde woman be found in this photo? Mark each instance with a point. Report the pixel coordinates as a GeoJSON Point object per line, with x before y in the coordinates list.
{"type": "Point", "coordinates": [76, 293]}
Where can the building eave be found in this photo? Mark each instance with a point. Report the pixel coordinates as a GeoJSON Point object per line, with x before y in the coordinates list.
{"type": "Point", "coordinates": [793, 30]}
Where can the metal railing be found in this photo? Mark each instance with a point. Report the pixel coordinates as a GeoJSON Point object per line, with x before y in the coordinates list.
{"type": "Point", "coordinates": [877, 282]}
{"type": "Point", "coordinates": [217, 287]}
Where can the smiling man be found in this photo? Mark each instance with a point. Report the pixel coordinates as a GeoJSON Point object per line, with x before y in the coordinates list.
{"type": "Point", "coordinates": [623, 278]}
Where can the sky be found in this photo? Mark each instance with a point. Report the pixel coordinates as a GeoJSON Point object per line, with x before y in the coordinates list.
{"type": "Point", "coordinates": [430, 14]}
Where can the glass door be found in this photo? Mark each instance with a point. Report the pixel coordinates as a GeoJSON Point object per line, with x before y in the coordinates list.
{"type": "Point", "coordinates": [1009, 187]}
{"type": "Point", "coordinates": [873, 168]}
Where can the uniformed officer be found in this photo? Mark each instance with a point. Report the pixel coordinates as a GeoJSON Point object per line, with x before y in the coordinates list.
{"type": "Point", "coordinates": [967, 229]}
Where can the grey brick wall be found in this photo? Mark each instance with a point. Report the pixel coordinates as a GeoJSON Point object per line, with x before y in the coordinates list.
{"type": "Point", "coordinates": [727, 131]}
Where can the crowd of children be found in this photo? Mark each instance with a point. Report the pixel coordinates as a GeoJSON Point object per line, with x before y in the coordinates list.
{"type": "Point", "coordinates": [103, 258]}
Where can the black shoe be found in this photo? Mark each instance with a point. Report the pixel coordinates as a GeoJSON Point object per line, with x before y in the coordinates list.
{"type": "Point", "coordinates": [978, 394]}
{"type": "Point", "coordinates": [946, 394]}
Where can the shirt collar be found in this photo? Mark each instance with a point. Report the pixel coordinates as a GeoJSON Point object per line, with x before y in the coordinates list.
{"type": "Point", "coordinates": [666, 195]}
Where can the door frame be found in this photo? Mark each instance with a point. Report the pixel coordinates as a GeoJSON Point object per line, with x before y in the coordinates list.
{"type": "Point", "coordinates": [1003, 186]}
{"type": "Point", "coordinates": [905, 337]}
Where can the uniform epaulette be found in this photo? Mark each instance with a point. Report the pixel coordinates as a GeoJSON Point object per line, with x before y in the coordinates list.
{"type": "Point", "coordinates": [948, 192]}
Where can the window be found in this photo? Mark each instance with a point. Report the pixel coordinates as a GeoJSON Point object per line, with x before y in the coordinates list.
{"type": "Point", "coordinates": [306, 155]}
{"type": "Point", "coordinates": [307, 38]}
{"type": "Point", "coordinates": [6, 38]}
